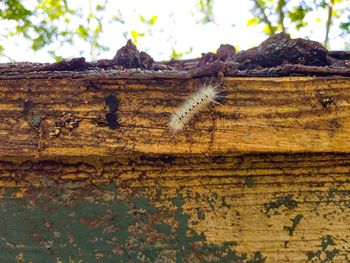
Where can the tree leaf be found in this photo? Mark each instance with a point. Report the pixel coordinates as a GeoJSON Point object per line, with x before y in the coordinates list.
{"type": "Point", "coordinates": [253, 21]}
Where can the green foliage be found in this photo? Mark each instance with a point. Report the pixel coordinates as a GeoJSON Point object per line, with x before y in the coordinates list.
{"type": "Point", "coordinates": [50, 21]}
{"type": "Point", "coordinates": [206, 8]}
{"type": "Point", "coordinates": [53, 9]}
{"type": "Point", "coordinates": [92, 28]}
{"type": "Point", "coordinates": [52, 53]}
{"type": "Point", "coordinates": [56, 24]}
{"type": "Point", "coordinates": [345, 26]}
{"type": "Point", "coordinates": [177, 54]}
{"type": "Point", "coordinates": [253, 21]}
{"type": "Point", "coordinates": [39, 25]}
{"type": "Point", "coordinates": [297, 15]}
{"type": "Point", "coordinates": [14, 10]}
{"type": "Point", "coordinates": [135, 36]}
{"type": "Point", "coordinates": [151, 21]}
{"type": "Point", "coordinates": [271, 14]}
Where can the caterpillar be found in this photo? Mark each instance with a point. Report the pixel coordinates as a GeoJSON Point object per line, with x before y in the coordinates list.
{"type": "Point", "coordinates": [207, 94]}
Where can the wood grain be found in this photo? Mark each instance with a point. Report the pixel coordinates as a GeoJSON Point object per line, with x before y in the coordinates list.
{"type": "Point", "coordinates": [89, 171]}
{"type": "Point", "coordinates": [260, 208]}
{"type": "Point", "coordinates": [289, 114]}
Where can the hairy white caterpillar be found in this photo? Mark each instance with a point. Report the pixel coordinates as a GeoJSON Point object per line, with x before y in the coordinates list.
{"type": "Point", "coordinates": [207, 94]}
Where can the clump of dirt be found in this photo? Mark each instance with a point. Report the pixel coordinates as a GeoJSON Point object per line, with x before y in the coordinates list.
{"type": "Point", "coordinates": [224, 53]}
{"type": "Point", "coordinates": [129, 57]}
{"type": "Point", "coordinates": [67, 121]}
{"type": "Point", "coordinates": [277, 50]}
{"type": "Point", "coordinates": [280, 49]}
{"type": "Point", "coordinates": [126, 57]}
{"type": "Point", "coordinates": [279, 55]}
{"type": "Point", "coordinates": [75, 64]}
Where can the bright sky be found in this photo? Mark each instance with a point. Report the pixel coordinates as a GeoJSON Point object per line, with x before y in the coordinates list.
{"type": "Point", "coordinates": [176, 28]}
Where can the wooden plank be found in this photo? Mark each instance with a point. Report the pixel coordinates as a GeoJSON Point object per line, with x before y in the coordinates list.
{"type": "Point", "coordinates": [286, 114]}
{"type": "Point", "coordinates": [226, 208]}
{"type": "Point", "coordinates": [90, 172]}
{"type": "Point", "coordinates": [77, 186]}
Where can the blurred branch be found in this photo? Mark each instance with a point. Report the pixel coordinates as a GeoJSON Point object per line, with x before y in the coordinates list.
{"type": "Point", "coordinates": [261, 9]}
{"type": "Point", "coordinates": [8, 57]}
{"type": "Point", "coordinates": [329, 22]}
{"type": "Point", "coordinates": [280, 6]}
{"type": "Point", "coordinates": [206, 8]}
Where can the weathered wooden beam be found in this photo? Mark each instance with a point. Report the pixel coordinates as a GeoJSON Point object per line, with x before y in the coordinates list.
{"type": "Point", "coordinates": [56, 117]}
{"type": "Point", "coordinates": [90, 172]}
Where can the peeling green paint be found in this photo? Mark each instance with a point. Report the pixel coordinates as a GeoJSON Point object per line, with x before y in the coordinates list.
{"type": "Point", "coordinates": [163, 228]}
{"type": "Point", "coordinates": [107, 226]}
{"type": "Point", "coordinates": [224, 203]}
{"type": "Point", "coordinates": [295, 222]}
{"type": "Point", "coordinates": [287, 201]}
{"type": "Point", "coordinates": [35, 120]}
{"type": "Point", "coordinates": [177, 201]}
{"type": "Point", "coordinates": [327, 252]}
{"type": "Point", "coordinates": [257, 258]}
{"type": "Point", "coordinates": [338, 197]}
{"type": "Point", "coordinates": [143, 203]}
{"type": "Point", "coordinates": [249, 182]}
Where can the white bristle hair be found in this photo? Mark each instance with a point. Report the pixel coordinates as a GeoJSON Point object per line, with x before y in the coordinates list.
{"type": "Point", "coordinates": [207, 94]}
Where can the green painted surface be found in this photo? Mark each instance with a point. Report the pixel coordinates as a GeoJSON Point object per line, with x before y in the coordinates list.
{"type": "Point", "coordinates": [55, 225]}
{"type": "Point", "coordinates": [295, 221]}
{"type": "Point", "coordinates": [327, 251]}
{"type": "Point", "coordinates": [285, 201]}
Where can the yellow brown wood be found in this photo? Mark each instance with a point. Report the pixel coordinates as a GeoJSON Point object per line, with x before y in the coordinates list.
{"type": "Point", "coordinates": [289, 114]}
